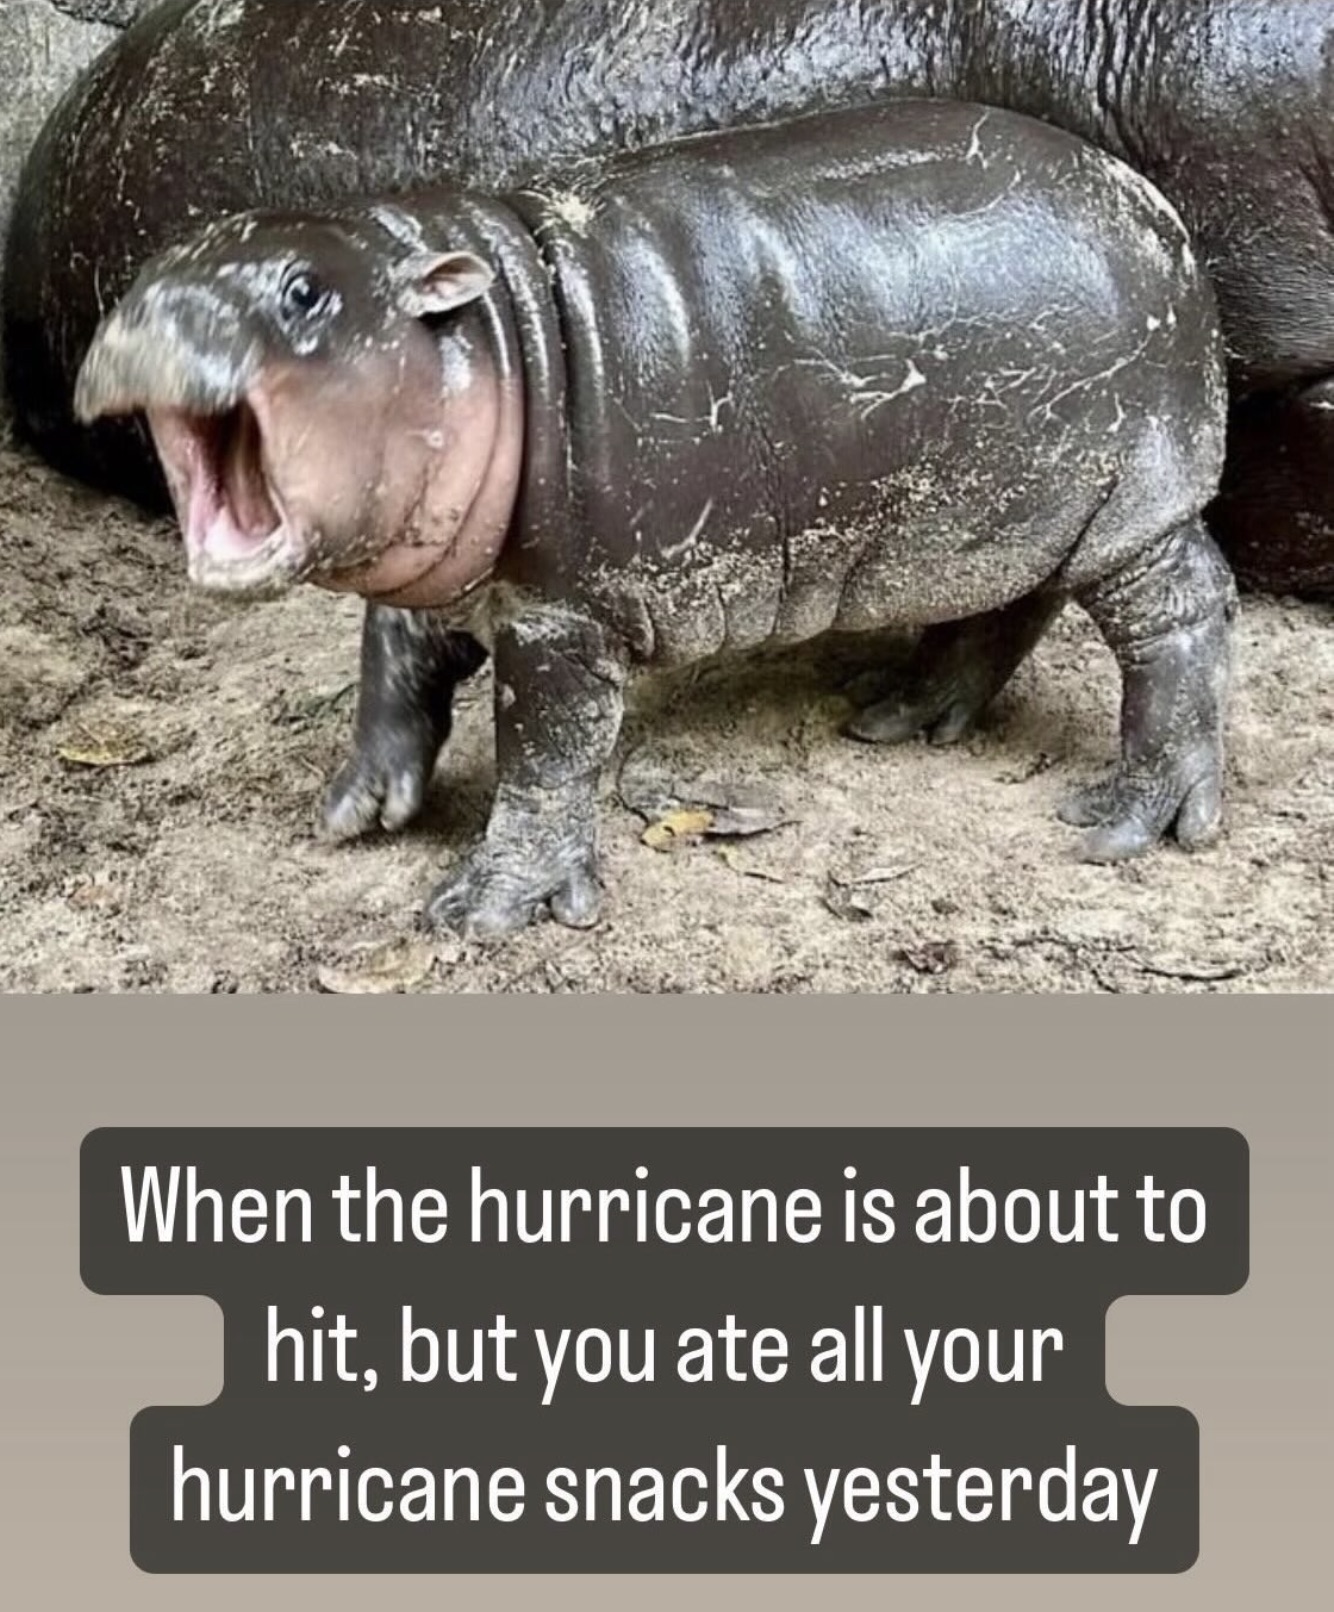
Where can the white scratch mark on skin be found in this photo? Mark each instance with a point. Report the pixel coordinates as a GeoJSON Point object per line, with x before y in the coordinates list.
{"type": "Point", "coordinates": [400, 225]}
{"type": "Point", "coordinates": [1048, 409]}
{"type": "Point", "coordinates": [696, 532]}
{"type": "Point", "coordinates": [866, 402]}
{"type": "Point", "coordinates": [974, 152]}
{"type": "Point", "coordinates": [572, 210]}
{"type": "Point", "coordinates": [869, 402]}
{"type": "Point", "coordinates": [716, 407]}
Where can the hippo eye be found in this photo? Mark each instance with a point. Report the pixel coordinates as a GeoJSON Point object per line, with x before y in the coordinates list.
{"type": "Point", "coordinates": [302, 294]}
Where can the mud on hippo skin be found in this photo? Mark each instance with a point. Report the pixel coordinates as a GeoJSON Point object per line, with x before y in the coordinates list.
{"type": "Point", "coordinates": [920, 364]}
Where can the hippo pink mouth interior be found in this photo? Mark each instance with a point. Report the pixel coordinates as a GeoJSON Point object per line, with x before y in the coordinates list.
{"type": "Point", "coordinates": [231, 517]}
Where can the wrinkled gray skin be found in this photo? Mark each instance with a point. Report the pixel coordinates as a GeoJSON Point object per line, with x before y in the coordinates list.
{"type": "Point", "coordinates": [919, 365]}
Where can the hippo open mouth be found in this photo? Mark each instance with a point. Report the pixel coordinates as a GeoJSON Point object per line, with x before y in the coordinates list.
{"type": "Point", "coordinates": [237, 535]}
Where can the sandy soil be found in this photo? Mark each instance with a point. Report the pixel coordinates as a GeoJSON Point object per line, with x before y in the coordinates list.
{"type": "Point", "coordinates": [163, 756]}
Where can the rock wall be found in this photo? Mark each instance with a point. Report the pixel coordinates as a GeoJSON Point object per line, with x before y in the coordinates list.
{"type": "Point", "coordinates": [43, 45]}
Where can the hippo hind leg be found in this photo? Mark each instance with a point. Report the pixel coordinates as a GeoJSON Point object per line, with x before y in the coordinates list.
{"type": "Point", "coordinates": [1167, 619]}
{"type": "Point", "coordinates": [956, 671]}
{"type": "Point", "coordinates": [411, 664]}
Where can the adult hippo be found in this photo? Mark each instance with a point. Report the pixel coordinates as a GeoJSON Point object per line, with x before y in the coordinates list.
{"type": "Point", "coordinates": [207, 107]}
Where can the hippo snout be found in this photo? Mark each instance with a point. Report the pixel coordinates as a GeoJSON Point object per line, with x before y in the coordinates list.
{"type": "Point", "coordinates": [169, 347]}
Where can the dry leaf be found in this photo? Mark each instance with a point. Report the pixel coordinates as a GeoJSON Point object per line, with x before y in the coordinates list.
{"type": "Point", "coordinates": [860, 881]}
{"type": "Point", "coordinates": [747, 870]}
{"type": "Point", "coordinates": [1193, 973]}
{"type": "Point", "coordinates": [677, 828]}
{"type": "Point", "coordinates": [701, 808]}
{"type": "Point", "coordinates": [740, 820]}
{"type": "Point", "coordinates": [385, 970]}
{"type": "Point", "coordinates": [845, 902]}
{"type": "Point", "coordinates": [311, 708]}
{"type": "Point", "coordinates": [105, 746]}
{"type": "Point", "coordinates": [933, 957]}
{"type": "Point", "coordinates": [738, 810]}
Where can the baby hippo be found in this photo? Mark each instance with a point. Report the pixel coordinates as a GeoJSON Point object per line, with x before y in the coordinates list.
{"type": "Point", "coordinates": [920, 364]}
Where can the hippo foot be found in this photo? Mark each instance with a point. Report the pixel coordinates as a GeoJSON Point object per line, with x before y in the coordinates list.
{"type": "Point", "coordinates": [493, 896]}
{"type": "Point", "coordinates": [941, 720]}
{"type": "Point", "coordinates": [956, 671]}
{"type": "Point", "coordinates": [411, 666]}
{"type": "Point", "coordinates": [1168, 620]}
{"type": "Point", "coordinates": [1128, 814]}
{"type": "Point", "coordinates": [535, 860]}
{"type": "Point", "coordinates": [382, 786]}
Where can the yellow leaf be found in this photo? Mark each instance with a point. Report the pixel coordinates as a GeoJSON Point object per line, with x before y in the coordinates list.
{"type": "Point", "coordinates": [677, 828]}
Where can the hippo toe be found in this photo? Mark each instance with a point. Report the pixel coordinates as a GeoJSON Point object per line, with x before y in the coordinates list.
{"type": "Point", "coordinates": [537, 857]}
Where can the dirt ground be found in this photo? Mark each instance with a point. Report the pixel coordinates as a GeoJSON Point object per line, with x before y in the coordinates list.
{"type": "Point", "coordinates": [164, 753]}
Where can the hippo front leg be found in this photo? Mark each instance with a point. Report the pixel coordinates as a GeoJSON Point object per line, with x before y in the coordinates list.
{"type": "Point", "coordinates": [559, 702]}
{"type": "Point", "coordinates": [411, 664]}
{"type": "Point", "coordinates": [1167, 619]}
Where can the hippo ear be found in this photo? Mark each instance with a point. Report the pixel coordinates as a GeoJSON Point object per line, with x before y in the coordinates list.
{"type": "Point", "coordinates": [430, 283]}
